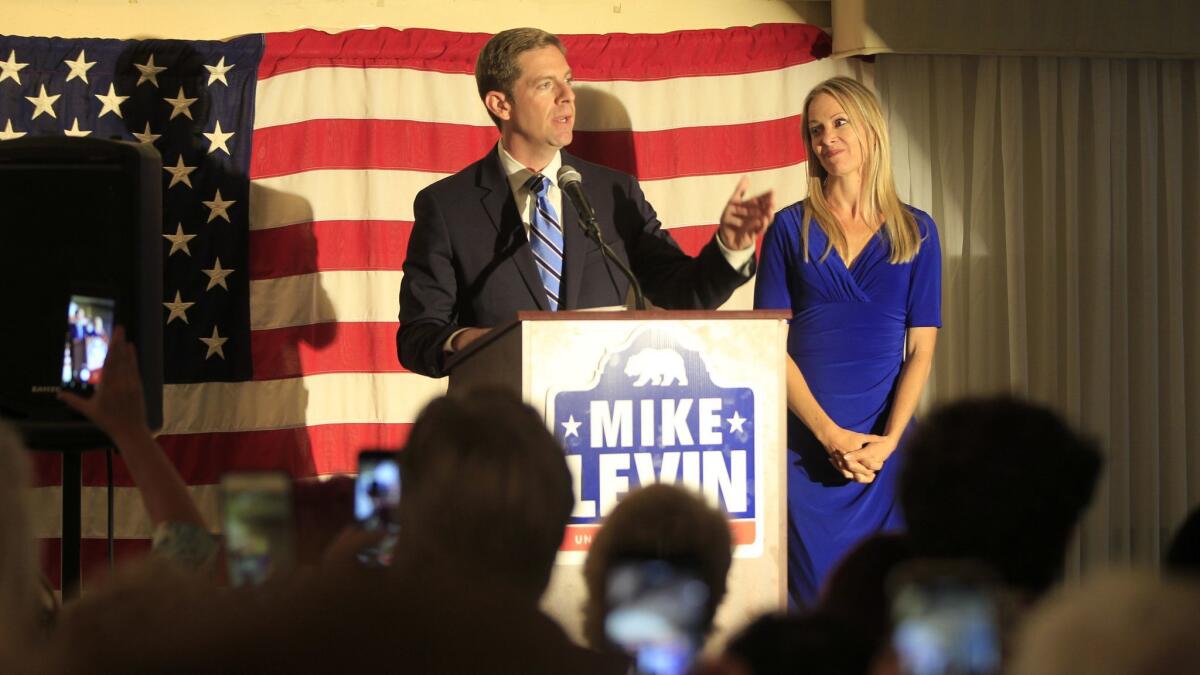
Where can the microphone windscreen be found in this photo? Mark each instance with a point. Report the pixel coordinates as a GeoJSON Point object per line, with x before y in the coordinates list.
{"type": "Point", "coordinates": [567, 175]}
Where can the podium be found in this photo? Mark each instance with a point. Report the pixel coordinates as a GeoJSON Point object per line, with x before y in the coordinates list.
{"type": "Point", "coordinates": [691, 397]}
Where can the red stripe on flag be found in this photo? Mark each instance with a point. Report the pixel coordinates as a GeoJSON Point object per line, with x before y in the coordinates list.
{"type": "Point", "coordinates": [446, 148]}
{"type": "Point", "coordinates": [93, 558]}
{"type": "Point", "coordinates": [305, 248]}
{"type": "Point", "coordinates": [302, 452]}
{"type": "Point", "coordinates": [325, 348]}
{"type": "Point", "coordinates": [685, 53]}
{"type": "Point", "coordinates": [692, 239]}
{"type": "Point", "coordinates": [368, 144]}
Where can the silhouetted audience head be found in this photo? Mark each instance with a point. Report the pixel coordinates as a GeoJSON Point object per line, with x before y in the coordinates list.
{"type": "Point", "coordinates": [657, 522]}
{"type": "Point", "coordinates": [1123, 624]}
{"type": "Point", "coordinates": [486, 485]}
{"type": "Point", "coordinates": [814, 644]}
{"type": "Point", "coordinates": [1183, 553]}
{"type": "Point", "coordinates": [857, 588]}
{"type": "Point", "coordinates": [20, 597]}
{"type": "Point", "coordinates": [999, 480]}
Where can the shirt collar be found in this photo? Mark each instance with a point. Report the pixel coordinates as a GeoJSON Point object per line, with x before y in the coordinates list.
{"type": "Point", "coordinates": [518, 174]}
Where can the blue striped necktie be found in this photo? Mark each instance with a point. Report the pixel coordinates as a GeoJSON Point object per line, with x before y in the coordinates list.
{"type": "Point", "coordinates": [546, 238]}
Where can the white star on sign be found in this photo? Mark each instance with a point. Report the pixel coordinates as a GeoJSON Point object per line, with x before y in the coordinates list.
{"type": "Point", "coordinates": [149, 72]}
{"type": "Point", "coordinates": [179, 173]}
{"type": "Point", "coordinates": [147, 136]}
{"type": "Point", "coordinates": [180, 105]}
{"type": "Point", "coordinates": [218, 139]}
{"type": "Point", "coordinates": [179, 242]}
{"type": "Point", "coordinates": [220, 208]}
{"type": "Point", "coordinates": [8, 134]}
{"type": "Point", "coordinates": [216, 276]}
{"type": "Point", "coordinates": [75, 131]}
{"type": "Point", "coordinates": [736, 422]}
{"type": "Point", "coordinates": [11, 68]}
{"type": "Point", "coordinates": [216, 344]}
{"type": "Point", "coordinates": [178, 308]}
{"type": "Point", "coordinates": [112, 102]}
{"type": "Point", "coordinates": [79, 67]}
{"type": "Point", "coordinates": [42, 102]}
{"type": "Point", "coordinates": [217, 73]}
{"type": "Point", "coordinates": [571, 427]}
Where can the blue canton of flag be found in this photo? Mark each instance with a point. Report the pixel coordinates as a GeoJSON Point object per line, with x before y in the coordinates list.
{"type": "Point", "coordinates": [194, 101]}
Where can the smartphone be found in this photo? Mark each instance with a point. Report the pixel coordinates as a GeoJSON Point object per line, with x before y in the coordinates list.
{"type": "Point", "coordinates": [657, 613]}
{"type": "Point", "coordinates": [945, 621]}
{"type": "Point", "coordinates": [256, 511]}
{"type": "Point", "coordinates": [89, 330]}
{"type": "Point", "coordinates": [377, 502]}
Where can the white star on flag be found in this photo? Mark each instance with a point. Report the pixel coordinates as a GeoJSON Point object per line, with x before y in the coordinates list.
{"type": "Point", "coordinates": [10, 68]}
{"type": "Point", "coordinates": [180, 105]}
{"type": "Point", "coordinates": [220, 208]}
{"type": "Point", "coordinates": [216, 276]}
{"type": "Point", "coordinates": [216, 344]}
{"type": "Point", "coordinates": [147, 136]}
{"type": "Point", "coordinates": [112, 102]}
{"type": "Point", "coordinates": [217, 139]}
{"type": "Point", "coordinates": [149, 72]}
{"type": "Point", "coordinates": [178, 308]}
{"type": "Point", "coordinates": [179, 242]}
{"type": "Point", "coordinates": [79, 67]}
{"type": "Point", "coordinates": [179, 173]}
{"type": "Point", "coordinates": [217, 73]}
{"type": "Point", "coordinates": [42, 103]}
{"type": "Point", "coordinates": [75, 131]}
{"type": "Point", "coordinates": [571, 427]}
{"type": "Point", "coordinates": [736, 422]}
{"type": "Point", "coordinates": [8, 134]}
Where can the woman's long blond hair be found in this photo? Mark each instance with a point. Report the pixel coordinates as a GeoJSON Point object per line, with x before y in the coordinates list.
{"type": "Point", "coordinates": [878, 195]}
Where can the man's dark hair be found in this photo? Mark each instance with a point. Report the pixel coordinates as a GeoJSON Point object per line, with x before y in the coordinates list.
{"type": "Point", "coordinates": [664, 522]}
{"type": "Point", "coordinates": [487, 487]}
{"type": "Point", "coordinates": [1000, 480]}
{"type": "Point", "coordinates": [496, 67]}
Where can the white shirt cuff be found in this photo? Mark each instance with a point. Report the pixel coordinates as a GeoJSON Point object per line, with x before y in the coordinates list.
{"type": "Point", "coordinates": [738, 260]}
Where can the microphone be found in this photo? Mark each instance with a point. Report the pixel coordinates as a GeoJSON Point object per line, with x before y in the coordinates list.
{"type": "Point", "coordinates": [571, 184]}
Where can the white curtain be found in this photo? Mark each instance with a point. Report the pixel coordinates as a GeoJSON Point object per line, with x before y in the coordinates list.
{"type": "Point", "coordinates": [1068, 195]}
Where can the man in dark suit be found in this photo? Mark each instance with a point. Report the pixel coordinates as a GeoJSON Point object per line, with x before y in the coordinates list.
{"type": "Point", "coordinates": [471, 264]}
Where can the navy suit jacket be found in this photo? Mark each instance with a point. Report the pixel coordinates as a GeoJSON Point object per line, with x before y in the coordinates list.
{"type": "Point", "coordinates": [469, 262]}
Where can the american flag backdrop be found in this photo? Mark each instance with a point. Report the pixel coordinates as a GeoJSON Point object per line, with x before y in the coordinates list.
{"type": "Point", "coordinates": [290, 165]}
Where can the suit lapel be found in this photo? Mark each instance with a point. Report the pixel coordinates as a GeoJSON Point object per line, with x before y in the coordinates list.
{"type": "Point", "coordinates": [498, 203]}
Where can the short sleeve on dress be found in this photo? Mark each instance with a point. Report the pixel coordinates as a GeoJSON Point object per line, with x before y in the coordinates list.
{"type": "Point", "coordinates": [925, 286]}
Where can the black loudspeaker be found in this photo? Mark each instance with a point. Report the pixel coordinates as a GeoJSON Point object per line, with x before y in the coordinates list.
{"type": "Point", "coordinates": [79, 218]}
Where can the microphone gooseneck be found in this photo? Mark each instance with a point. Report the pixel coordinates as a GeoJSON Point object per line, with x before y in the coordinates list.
{"type": "Point", "coordinates": [571, 184]}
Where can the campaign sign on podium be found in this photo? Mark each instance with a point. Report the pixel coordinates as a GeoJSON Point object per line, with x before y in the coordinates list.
{"type": "Point", "coordinates": [690, 398]}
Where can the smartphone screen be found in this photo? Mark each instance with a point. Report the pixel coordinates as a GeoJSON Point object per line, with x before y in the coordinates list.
{"type": "Point", "coordinates": [89, 329]}
{"type": "Point", "coordinates": [656, 614]}
{"type": "Point", "coordinates": [377, 501]}
{"type": "Point", "coordinates": [256, 509]}
{"type": "Point", "coordinates": [946, 625]}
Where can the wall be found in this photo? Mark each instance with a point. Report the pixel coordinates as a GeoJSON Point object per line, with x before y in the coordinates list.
{"type": "Point", "coordinates": [218, 19]}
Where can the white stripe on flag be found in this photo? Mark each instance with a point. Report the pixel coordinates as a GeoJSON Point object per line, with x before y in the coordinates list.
{"type": "Point", "coordinates": [347, 296]}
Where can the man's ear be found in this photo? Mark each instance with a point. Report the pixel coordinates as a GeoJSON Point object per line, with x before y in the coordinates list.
{"type": "Point", "coordinates": [498, 104]}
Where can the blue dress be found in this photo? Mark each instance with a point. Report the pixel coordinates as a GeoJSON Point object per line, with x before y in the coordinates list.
{"type": "Point", "coordinates": [847, 337]}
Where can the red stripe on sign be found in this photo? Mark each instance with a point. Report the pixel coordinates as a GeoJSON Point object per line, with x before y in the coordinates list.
{"type": "Point", "coordinates": [302, 452]}
{"type": "Point", "coordinates": [695, 151]}
{"type": "Point", "coordinates": [579, 537]}
{"type": "Point", "coordinates": [366, 347]}
{"type": "Point", "coordinates": [446, 148]}
{"type": "Point", "coordinates": [368, 144]}
{"type": "Point", "coordinates": [329, 245]}
{"type": "Point", "coordinates": [685, 53]}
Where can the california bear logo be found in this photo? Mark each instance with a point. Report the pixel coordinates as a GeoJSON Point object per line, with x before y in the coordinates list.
{"type": "Point", "coordinates": [659, 367]}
